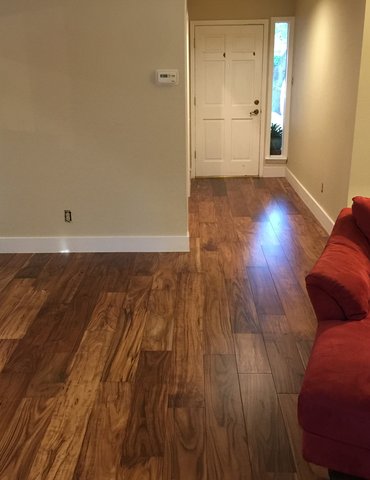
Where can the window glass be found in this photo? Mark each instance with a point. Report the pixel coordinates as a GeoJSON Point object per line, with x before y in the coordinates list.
{"type": "Point", "coordinates": [279, 87]}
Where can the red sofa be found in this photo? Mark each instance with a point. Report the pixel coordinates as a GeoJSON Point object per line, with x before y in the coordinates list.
{"type": "Point", "coordinates": [334, 403]}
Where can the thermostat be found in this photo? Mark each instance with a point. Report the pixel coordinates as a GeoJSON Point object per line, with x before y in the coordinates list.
{"type": "Point", "coordinates": [167, 77]}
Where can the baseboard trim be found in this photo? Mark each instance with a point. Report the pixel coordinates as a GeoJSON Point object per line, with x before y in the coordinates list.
{"type": "Point", "coordinates": [270, 171]}
{"type": "Point", "coordinates": [323, 218]}
{"type": "Point", "coordinates": [94, 244]}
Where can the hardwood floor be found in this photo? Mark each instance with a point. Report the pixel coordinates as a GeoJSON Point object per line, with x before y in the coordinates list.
{"type": "Point", "coordinates": [164, 366]}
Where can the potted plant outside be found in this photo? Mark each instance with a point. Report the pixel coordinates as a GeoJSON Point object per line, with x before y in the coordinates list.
{"type": "Point", "coordinates": [276, 139]}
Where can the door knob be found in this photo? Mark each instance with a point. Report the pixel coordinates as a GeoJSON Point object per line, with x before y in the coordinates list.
{"type": "Point", "coordinates": [255, 112]}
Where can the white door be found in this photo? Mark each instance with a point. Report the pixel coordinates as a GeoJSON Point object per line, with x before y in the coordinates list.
{"type": "Point", "coordinates": [228, 88]}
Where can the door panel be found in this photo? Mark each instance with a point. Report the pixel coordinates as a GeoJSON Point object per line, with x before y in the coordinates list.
{"type": "Point", "coordinates": [242, 82]}
{"type": "Point", "coordinates": [228, 79]}
{"type": "Point", "coordinates": [214, 83]}
{"type": "Point", "coordinates": [241, 149]}
{"type": "Point", "coordinates": [214, 134]}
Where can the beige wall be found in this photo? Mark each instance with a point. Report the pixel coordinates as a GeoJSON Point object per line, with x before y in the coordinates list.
{"type": "Point", "coordinates": [82, 124]}
{"type": "Point", "coordinates": [360, 172]}
{"type": "Point", "coordinates": [328, 38]}
{"type": "Point", "coordinates": [239, 9]}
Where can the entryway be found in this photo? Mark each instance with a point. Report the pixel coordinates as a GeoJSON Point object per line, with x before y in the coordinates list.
{"type": "Point", "coordinates": [227, 118]}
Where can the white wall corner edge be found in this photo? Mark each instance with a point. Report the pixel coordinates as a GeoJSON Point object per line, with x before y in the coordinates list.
{"type": "Point", "coordinates": [117, 244]}
{"type": "Point", "coordinates": [320, 214]}
{"type": "Point", "coordinates": [271, 171]}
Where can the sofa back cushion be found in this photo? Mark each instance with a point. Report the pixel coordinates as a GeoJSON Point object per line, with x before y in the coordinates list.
{"type": "Point", "coordinates": [340, 277]}
{"type": "Point", "coordinates": [361, 213]}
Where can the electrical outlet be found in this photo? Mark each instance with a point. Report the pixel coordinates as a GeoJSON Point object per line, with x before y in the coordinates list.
{"type": "Point", "coordinates": [68, 216]}
{"type": "Point", "coordinates": [322, 188]}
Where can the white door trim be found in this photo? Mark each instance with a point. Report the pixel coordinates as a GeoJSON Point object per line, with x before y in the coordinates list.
{"type": "Point", "coordinates": [197, 23]}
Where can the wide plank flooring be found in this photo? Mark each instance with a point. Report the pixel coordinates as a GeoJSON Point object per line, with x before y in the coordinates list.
{"type": "Point", "coordinates": [178, 366]}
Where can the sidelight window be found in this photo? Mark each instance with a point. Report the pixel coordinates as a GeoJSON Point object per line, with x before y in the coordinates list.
{"type": "Point", "coordinates": [279, 91]}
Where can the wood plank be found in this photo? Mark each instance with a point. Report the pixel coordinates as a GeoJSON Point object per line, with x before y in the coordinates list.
{"type": "Point", "coordinates": [274, 324]}
{"type": "Point", "coordinates": [209, 236]}
{"type": "Point", "coordinates": [49, 372]}
{"type": "Point", "coordinates": [268, 441]}
{"type": "Point", "coordinates": [219, 187]}
{"type": "Point", "coordinates": [185, 457]}
{"type": "Point", "coordinates": [294, 300]}
{"type": "Point", "coordinates": [251, 355]}
{"type": "Point", "coordinates": [66, 336]}
{"type": "Point", "coordinates": [5, 258]}
{"type": "Point", "coordinates": [69, 331]}
{"type": "Point", "coordinates": [29, 355]}
{"type": "Point", "coordinates": [20, 305]}
{"type": "Point", "coordinates": [244, 227]}
{"type": "Point", "coordinates": [115, 268]}
{"type": "Point", "coordinates": [13, 387]}
{"type": "Point", "coordinates": [252, 253]}
{"type": "Point", "coordinates": [265, 296]}
{"type": "Point", "coordinates": [216, 321]}
{"type": "Point", "coordinates": [193, 204]}
{"type": "Point", "coordinates": [194, 228]}
{"type": "Point", "coordinates": [119, 268]}
{"type": "Point", "coordinates": [107, 312]}
{"type": "Point", "coordinates": [100, 458]}
{"type": "Point", "coordinates": [304, 349]}
{"type": "Point", "coordinates": [145, 432]}
{"type": "Point", "coordinates": [226, 230]}
{"type": "Point", "coordinates": [289, 405]}
{"type": "Point", "coordinates": [124, 349]}
{"type": "Point", "coordinates": [167, 262]}
{"type": "Point", "coordinates": [145, 264]}
{"type": "Point", "coordinates": [62, 276]}
{"type": "Point", "coordinates": [226, 445]}
{"type": "Point", "coordinates": [206, 211]}
{"type": "Point", "coordinates": [223, 210]}
{"type": "Point", "coordinates": [238, 204]}
{"type": "Point", "coordinates": [201, 189]}
{"type": "Point", "coordinates": [59, 449]}
{"type": "Point", "coordinates": [34, 266]}
{"type": "Point", "coordinates": [10, 267]}
{"type": "Point", "coordinates": [160, 322]}
{"type": "Point", "coordinates": [187, 376]}
{"type": "Point", "coordinates": [26, 429]}
{"type": "Point", "coordinates": [264, 234]}
{"type": "Point", "coordinates": [7, 348]}
{"type": "Point", "coordinates": [231, 260]}
{"type": "Point", "coordinates": [286, 364]}
{"type": "Point", "coordinates": [243, 314]}
{"type": "Point", "coordinates": [150, 469]}
{"type": "Point", "coordinates": [255, 205]}
{"type": "Point", "coordinates": [189, 262]}
{"type": "Point", "coordinates": [87, 363]}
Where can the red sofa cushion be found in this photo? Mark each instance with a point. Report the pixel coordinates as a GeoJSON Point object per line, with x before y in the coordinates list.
{"type": "Point", "coordinates": [338, 456]}
{"type": "Point", "coordinates": [341, 274]}
{"type": "Point", "coordinates": [361, 212]}
{"type": "Point", "coordinates": [335, 397]}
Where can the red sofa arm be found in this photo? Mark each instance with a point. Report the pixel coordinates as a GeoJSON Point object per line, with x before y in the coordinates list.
{"type": "Point", "coordinates": [325, 307]}
{"type": "Point", "coordinates": [338, 284]}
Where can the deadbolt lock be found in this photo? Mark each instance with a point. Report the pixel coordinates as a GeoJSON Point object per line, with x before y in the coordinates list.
{"type": "Point", "coordinates": [256, 102]}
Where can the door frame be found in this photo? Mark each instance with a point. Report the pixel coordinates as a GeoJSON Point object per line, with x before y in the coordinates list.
{"type": "Point", "coordinates": [207, 23]}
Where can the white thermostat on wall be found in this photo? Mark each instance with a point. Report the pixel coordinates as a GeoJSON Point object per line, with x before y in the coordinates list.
{"type": "Point", "coordinates": [167, 77]}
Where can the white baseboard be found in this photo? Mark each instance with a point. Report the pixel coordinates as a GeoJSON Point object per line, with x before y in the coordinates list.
{"type": "Point", "coordinates": [324, 219]}
{"type": "Point", "coordinates": [94, 244]}
{"type": "Point", "coordinates": [270, 171]}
